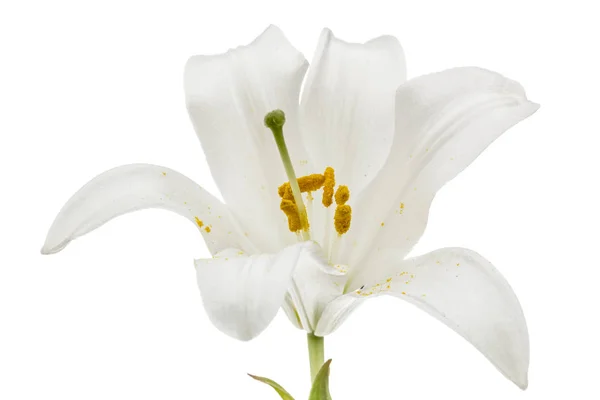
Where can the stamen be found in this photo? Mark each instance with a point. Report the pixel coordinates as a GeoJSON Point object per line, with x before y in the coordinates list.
{"type": "Point", "coordinates": [343, 212]}
{"type": "Point", "coordinates": [311, 183]}
{"type": "Point", "coordinates": [328, 186]}
{"type": "Point", "coordinates": [285, 191]}
{"type": "Point", "coordinates": [342, 218]}
{"type": "Point", "coordinates": [327, 235]}
{"type": "Point", "coordinates": [342, 195]}
{"type": "Point", "coordinates": [308, 183]}
{"type": "Point", "coordinates": [291, 211]}
{"type": "Point", "coordinates": [334, 248]}
{"type": "Point", "coordinates": [309, 206]}
{"type": "Point", "coordinates": [275, 121]}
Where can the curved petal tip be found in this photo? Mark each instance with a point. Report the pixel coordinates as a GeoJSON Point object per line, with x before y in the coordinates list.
{"type": "Point", "coordinates": [520, 378]}
{"type": "Point", "coordinates": [50, 248]}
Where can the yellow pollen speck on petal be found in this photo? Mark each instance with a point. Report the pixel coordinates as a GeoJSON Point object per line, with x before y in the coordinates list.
{"type": "Point", "coordinates": [342, 218]}
{"type": "Point", "coordinates": [342, 194]}
{"type": "Point", "coordinates": [383, 224]}
{"type": "Point", "coordinates": [207, 229]}
{"type": "Point", "coordinates": [458, 264]}
{"type": "Point", "coordinates": [328, 186]}
{"type": "Point", "coordinates": [404, 293]}
{"type": "Point", "coordinates": [291, 211]}
{"type": "Point", "coordinates": [199, 222]}
{"type": "Point", "coordinates": [164, 174]}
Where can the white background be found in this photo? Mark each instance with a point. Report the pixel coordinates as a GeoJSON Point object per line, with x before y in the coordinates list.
{"type": "Point", "coordinates": [88, 86]}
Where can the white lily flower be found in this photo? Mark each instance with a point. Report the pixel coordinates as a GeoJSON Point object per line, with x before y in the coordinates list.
{"type": "Point", "coordinates": [391, 144]}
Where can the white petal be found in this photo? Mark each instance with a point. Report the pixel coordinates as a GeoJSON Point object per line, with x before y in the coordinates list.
{"type": "Point", "coordinates": [314, 286]}
{"type": "Point", "coordinates": [336, 312]}
{"type": "Point", "coordinates": [139, 186]}
{"type": "Point", "coordinates": [291, 312]}
{"type": "Point", "coordinates": [464, 291]}
{"type": "Point", "coordinates": [242, 294]}
{"type": "Point", "coordinates": [443, 122]}
{"type": "Point", "coordinates": [347, 111]}
{"type": "Point", "coordinates": [227, 97]}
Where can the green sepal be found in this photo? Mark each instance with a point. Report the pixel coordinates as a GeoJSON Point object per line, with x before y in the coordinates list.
{"type": "Point", "coordinates": [320, 387]}
{"type": "Point", "coordinates": [280, 391]}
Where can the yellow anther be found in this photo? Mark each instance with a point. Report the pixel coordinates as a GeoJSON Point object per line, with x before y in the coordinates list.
{"type": "Point", "coordinates": [285, 191]}
{"type": "Point", "coordinates": [291, 211]}
{"type": "Point", "coordinates": [207, 229]}
{"type": "Point", "coordinates": [328, 186]}
{"type": "Point", "coordinates": [311, 183]}
{"type": "Point", "coordinates": [342, 218]}
{"type": "Point", "coordinates": [199, 222]}
{"type": "Point", "coordinates": [308, 183]}
{"type": "Point", "coordinates": [342, 195]}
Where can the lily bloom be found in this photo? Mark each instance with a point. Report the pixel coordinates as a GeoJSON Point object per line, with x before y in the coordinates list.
{"type": "Point", "coordinates": [364, 152]}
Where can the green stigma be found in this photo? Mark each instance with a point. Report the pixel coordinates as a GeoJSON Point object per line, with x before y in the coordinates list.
{"type": "Point", "coordinates": [275, 119]}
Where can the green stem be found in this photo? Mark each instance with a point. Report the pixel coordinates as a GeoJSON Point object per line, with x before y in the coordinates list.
{"type": "Point", "coordinates": [316, 354]}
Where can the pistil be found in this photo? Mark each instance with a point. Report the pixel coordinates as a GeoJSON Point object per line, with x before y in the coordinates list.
{"type": "Point", "coordinates": [275, 121]}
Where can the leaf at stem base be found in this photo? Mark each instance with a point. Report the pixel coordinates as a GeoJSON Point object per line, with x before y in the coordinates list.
{"type": "Point", "coordinates": [320, 388]}
{"type": "Point", "coordinates": [280, 390]}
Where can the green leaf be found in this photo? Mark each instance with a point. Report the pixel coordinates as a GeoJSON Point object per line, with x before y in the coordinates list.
{"type": "Point", "coordinates": [320, 388]}
{"type": "Point", "coordinates": [281, 391]}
